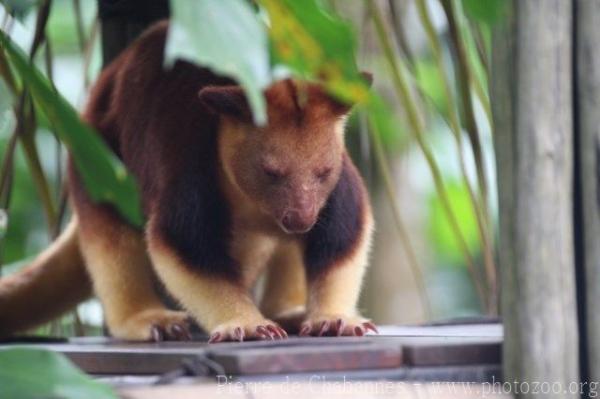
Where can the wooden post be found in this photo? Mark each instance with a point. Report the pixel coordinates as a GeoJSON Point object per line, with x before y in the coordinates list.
{"type": "Point", "coordinates": [533, 117]}
{"type": "Point", "coordinates": [588, 130]}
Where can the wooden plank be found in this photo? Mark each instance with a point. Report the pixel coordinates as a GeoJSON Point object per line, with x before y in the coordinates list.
{"type": "Point", "coordinates": [314, 358]}
{"type": "Point", "coordinates": [533, 119]}
{"type": "Point", "coordinates": [112, 363]}
{"type": "Point", "coordinates": [454, 354]}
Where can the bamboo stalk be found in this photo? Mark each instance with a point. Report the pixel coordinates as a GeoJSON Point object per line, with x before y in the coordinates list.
{"type": "Point", "coordinates": [403, 93]}
{"type": "Point", "coordinates": [479, 210]}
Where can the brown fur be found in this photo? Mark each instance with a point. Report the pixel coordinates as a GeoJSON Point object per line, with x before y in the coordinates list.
{"type": "Point", "coordinates": [52, 284]}
{"type": "Point", "coordinates": [226, 201]}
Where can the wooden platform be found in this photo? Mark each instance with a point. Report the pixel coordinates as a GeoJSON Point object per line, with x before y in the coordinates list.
{"type": "Point", "coordinates": [469, 352]}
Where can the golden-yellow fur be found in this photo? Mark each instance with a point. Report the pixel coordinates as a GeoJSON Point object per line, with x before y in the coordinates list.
{"type": "Point", "coordinates": [333, 298]}
{"type": "Point", "coordinates": [117, 261]}
{"type": "Point", "coordinates": [284, 295]}
{"type": "Point", "coordinates": [285, 282]}
{"type": "Point", "coordinates": [218, 305]}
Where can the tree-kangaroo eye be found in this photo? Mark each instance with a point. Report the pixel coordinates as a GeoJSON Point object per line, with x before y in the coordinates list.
{"type": "Point", "coordinates": [273, 174]}
{"type": "Point", "coordinates": [323, 174]}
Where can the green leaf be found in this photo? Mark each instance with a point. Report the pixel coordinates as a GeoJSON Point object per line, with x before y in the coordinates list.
{"type": "Point", "coordinates": [34, 374]}
{"type": "Point", "coordinates": [316, 45]}
{"type": "Point", "coordinates": [104, 176]}
{"type": "Point", "coordinates": [230, 40]}
{"type": "Point", "coordinates": [486, 11]}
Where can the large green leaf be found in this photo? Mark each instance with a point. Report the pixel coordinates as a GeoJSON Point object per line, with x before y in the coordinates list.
{"type": "Point", "coordinates": [35, 374]}
{"type": "Point", "coordinates": [316, 45]}
{"type": "Point", "coordinates": [227, 37]}
{"type": "Point", "coordinates": [105, 177]}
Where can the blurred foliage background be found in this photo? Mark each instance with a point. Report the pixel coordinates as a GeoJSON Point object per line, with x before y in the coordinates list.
{"type": "Point", "coordinates": [423, 140]}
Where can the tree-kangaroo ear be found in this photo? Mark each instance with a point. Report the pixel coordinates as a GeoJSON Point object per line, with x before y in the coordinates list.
{"type": "Point", "coordinates": [227, 101]}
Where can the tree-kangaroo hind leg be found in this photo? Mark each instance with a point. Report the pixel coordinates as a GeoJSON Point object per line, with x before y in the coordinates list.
{"type": "Point", "coordinates": [116, 258]}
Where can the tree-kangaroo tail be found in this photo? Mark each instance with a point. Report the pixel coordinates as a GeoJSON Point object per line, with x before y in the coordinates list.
{"type": "Point", "coordinates": [54, 283]}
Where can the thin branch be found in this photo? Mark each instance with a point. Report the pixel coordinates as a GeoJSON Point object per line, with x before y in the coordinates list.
{"type": "Point", "coordinates": [62, 209]}
{"type": "Point", "coordinates": [40, 28]}
{"type": "Point", "coordinates": [480, 92]}
{"type": "Point", "coordinates": [48, 61]}
{"type": "Point", "coordinates": [400, 34]}
{"type": "Point", "coordinates": [479, 210]}
{"type": "Point", "coordinates": [88, 52]}
{"type": "Point", "coordinates": [403, 92]}
{"type": "Point", "coordinates": [364, 140]}
{"type": "Point", "coordinates": [26, 133]}
{"type": "Point", "coordinates": [482, 51]}
{"type": "Point", "coordinates": [6, 73]}
{"type": "Point", "coordinates": [26, 123]}
{"type": "Point", "coordinates": [79, 24]}
{"type": "Point", "coordinates": [368, 135]}
{"type": "Point", "coordinates": [7, 170]}
{"type": "Point", "coordinates": [464, 78]}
